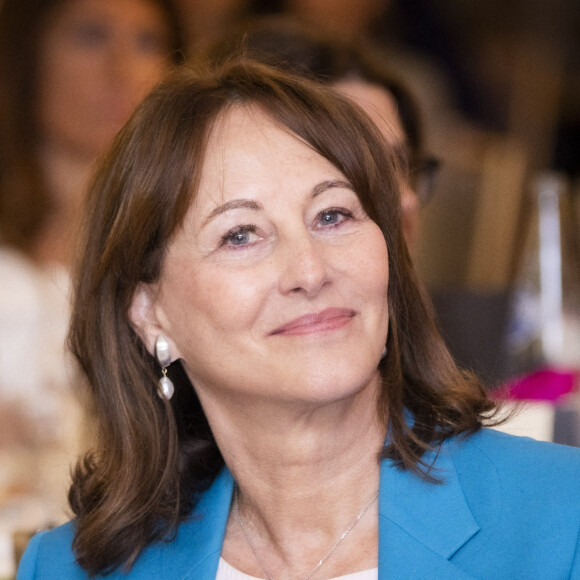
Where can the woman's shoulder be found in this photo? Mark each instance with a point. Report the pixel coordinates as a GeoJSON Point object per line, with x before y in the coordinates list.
{"type": "Point", "coordinates": [522, 495]}
{"type": "Point", "coordinates": [507, 447]}
{"type": "Point", "coordinates": [522, 465]}
{"type": "Point", "coordinates": [192, 553]}
{"type": "Point", "coordinates": [49, 554]}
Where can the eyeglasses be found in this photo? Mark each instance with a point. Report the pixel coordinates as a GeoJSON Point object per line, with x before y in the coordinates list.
{"type": "Point", "coordinates": [424, 177]}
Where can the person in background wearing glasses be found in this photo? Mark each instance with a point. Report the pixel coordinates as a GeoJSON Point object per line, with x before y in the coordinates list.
{"type": "Point", "coordinates": [356, 71]}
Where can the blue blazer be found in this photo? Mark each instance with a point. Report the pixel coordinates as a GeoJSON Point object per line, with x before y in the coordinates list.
{"type": "Point", "coordinates": [508, 508]}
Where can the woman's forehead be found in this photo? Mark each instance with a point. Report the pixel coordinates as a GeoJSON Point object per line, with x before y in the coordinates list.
{"type": "Point", "coordinates": [235, 122]}
{"type": "Point", "coordinates": [245, 134]}
{"type": "Point", "coordinates": [248, 153]}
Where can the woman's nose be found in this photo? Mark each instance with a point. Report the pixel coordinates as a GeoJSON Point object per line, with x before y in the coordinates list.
{"type": "Point", "coordinates": [303, 267]}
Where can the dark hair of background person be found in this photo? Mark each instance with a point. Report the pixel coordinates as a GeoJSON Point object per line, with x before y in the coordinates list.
{"type": "Point", "coordinates": [154, 457]}
{"type": "Point", "coordinates": [284, 42]}
{"type": "Point", "coordinates": [423, 27]}
{"type": "Point", "coordinates": [24, 201]}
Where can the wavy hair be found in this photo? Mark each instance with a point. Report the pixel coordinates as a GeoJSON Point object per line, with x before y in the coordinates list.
{"type": "Point", "coordinates": [153, 457]}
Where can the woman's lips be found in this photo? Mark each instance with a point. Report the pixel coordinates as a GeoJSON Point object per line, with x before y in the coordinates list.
{"type": "Point", "coordinates": [329, 319]}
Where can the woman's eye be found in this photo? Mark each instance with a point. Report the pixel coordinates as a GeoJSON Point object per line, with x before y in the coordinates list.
{"type": "Point", "coordinates": [240, 236]}
{"type": "Point", "coordinates": [333, 217]}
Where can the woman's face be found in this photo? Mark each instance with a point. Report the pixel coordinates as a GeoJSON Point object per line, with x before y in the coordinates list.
{"type": "Point", "coordinates": [276, 286]}
{"type": "Point", "coordinates": [97, 60]}
{"type": "Point", "coordinates": [381, 107]}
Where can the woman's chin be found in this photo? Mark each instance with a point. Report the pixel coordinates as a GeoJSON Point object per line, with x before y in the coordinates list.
{"type": "Point", "coordinates": [324, 385]}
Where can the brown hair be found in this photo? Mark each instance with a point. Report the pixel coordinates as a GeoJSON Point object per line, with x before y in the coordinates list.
{"type": "Point", "coordinates": [24, 199]}
{"type": "Point", "coordinates": [286, 43]}
{"type": "Point", "coordinates": [155, 457]}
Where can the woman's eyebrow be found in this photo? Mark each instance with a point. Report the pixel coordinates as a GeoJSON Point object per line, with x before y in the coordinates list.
{"type": "Point", "coordinates": [326, 185]}
{"type": "Point", "coordinates": [233, 204]}
{"type": "Point", "coordinates": [256, 206]}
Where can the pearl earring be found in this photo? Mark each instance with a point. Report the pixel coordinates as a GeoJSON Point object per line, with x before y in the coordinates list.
{"type": "Point", "coordinates": [165, 389]}
{"type": "Point", "coordinates": [384, 353]}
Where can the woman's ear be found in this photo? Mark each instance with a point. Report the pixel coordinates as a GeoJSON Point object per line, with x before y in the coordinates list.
{"type": "Point", "coordinates": [143, 315]}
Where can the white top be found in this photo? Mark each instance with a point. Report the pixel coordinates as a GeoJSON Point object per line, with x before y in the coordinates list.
{"type": "Point", "coordinates": [227, 572]}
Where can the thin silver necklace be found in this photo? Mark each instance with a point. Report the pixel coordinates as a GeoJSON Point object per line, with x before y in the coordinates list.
{"type": "Point", "coordinates": [250, 541]}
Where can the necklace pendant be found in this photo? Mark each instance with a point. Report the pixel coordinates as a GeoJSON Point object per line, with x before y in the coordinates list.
{"type": "Point", "coordinates": [250, 541]}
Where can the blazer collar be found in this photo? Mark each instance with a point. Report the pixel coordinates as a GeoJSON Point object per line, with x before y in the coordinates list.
{"type": "Point", "coordinates": [422, 524]}
{"type": "Point", "coordinates": [199, 540]}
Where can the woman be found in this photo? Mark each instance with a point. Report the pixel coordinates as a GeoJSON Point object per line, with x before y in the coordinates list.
{"type": "Point", "coordinates": [247, 224]}
{"type": "Point", "coordinates": [71, 73]}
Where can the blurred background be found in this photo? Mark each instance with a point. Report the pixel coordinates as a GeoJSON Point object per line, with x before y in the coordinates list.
{"type": "Point", "coordinates": [497, 85]}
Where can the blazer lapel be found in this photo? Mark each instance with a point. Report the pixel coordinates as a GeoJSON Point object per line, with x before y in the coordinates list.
{"type": "Point", "coordinates": [422, 524]}
{"type": "Point", "coordinates": [195, 552]}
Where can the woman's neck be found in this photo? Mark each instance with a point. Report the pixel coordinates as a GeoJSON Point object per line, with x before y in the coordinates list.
{"type": "Point", "coordinates": [66, 177]}
{"type": "Point", "coordinates": [303, 475]}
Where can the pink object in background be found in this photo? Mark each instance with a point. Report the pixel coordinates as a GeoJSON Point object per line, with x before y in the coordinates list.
{"type": "Point", "coordinates": [546, 384]}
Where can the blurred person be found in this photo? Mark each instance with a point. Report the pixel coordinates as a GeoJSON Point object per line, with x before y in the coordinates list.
{"type": "Point", "coordinates": [358, 72]}
{"type": "Point", "coordinates": [71, 73]}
